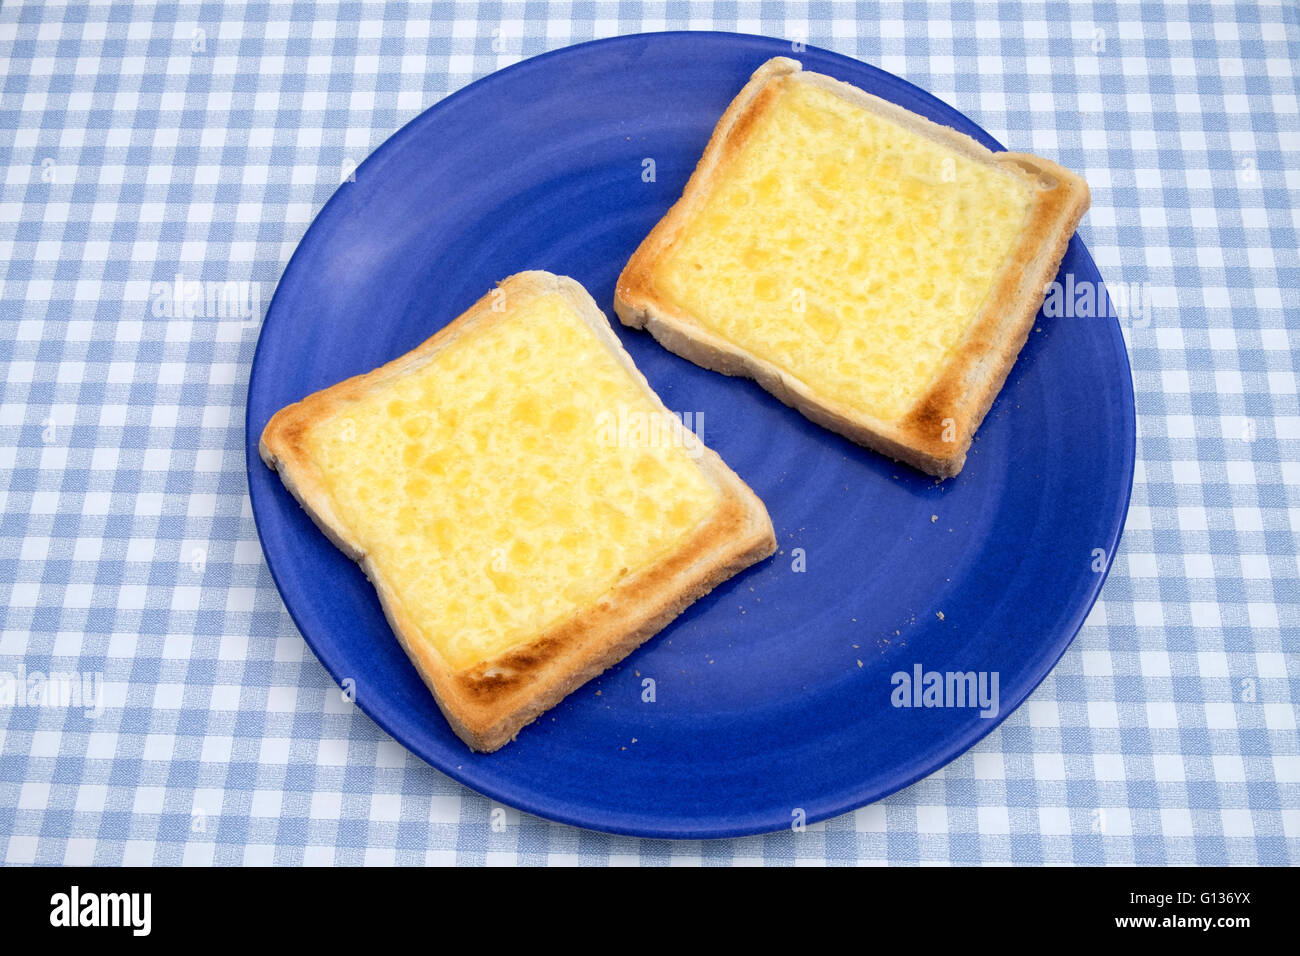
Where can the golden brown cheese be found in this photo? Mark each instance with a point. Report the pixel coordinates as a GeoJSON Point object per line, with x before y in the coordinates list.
{"type": "Point", "coordinates": [510, 481]}
{"type": "Point", "coordinates": [846, 250]}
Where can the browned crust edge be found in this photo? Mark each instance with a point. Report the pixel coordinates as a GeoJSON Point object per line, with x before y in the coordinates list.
{"type": "Point", "coordinates": [488, 704]}
{"type": "Point", "coordinates": [964, 389]}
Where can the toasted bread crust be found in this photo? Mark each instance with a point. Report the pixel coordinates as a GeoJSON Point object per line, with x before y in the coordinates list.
{"type": "Point", "coordinates": [489, 703]}
{"type": "Point", "coordinates": [935, 434]}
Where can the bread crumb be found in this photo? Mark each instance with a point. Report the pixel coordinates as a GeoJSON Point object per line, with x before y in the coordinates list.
{"type": "Point", "coordinates": [940, 614]}
{"type": "Point", "coordinates": [859, 663]}
{"type": "Point", "coordinates": [933, 518]}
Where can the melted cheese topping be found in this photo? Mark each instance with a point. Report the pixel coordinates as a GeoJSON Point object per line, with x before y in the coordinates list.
{"type": "Point", "coordinates": [499, 489]}
{"type": "Point", "coordinates": [848, 251]}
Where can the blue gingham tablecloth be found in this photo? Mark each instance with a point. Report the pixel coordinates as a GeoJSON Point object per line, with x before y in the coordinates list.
{"type": "Point", "coordinates": [144, 147]}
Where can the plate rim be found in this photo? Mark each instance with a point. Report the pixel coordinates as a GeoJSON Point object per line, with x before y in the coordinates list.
{"type": "Point", "coordinates": [628, 825]}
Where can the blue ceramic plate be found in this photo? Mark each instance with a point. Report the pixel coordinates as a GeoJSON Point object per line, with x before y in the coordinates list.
{"type": "Point", "coordinates": [774, 695]}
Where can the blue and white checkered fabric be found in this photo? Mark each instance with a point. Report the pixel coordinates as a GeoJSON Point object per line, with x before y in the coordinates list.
{"type": "Point", "coordinates": [142, 143]}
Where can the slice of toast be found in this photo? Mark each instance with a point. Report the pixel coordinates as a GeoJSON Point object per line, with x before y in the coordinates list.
{"type": "Point", "coordinates": [526, 507]}
{"type": "Point", "coordinates": [875, 270]}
